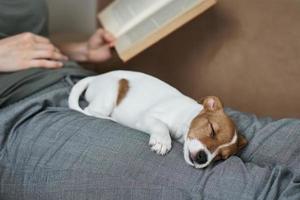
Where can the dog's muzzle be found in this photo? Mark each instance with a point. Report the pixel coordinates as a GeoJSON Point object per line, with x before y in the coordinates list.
{"type": "Point", "coordinates": [196, 154]}
{"type": "Point", "coordinates": [200, 158]}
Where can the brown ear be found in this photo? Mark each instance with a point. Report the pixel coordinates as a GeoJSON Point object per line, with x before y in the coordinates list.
{"type": "Point", "coordinates": [226, 152]}
{"type": "Point", "coordinates": [212, 103]}
{"type": "Point", "coordinates": [218, 157]}
{"type": "Point", "coordinates": [242, 141]}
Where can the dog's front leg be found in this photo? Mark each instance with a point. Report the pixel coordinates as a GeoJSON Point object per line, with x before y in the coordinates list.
{"type": "Point", "coordinates": [160, 139]}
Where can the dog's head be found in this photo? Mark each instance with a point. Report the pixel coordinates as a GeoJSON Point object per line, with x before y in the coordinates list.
{"type": "Point", "coordinates": [212, 135]}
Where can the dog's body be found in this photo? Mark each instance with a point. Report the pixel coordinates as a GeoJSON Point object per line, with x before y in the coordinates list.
{"type": "Point", "coordinates": [150, 105]}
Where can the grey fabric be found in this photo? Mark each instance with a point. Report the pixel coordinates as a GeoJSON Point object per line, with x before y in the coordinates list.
{"type": "Point", "coordinates": [51, 152]}
{"type": "Point", "coordinates": [15, 86]}
{"type": "Point", "coordinates": [18, 16]}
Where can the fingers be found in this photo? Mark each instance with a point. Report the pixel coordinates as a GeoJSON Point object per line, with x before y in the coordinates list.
{"type": "Point", "coordinates": [40, 48]}
{"type": "Point", "coordinates": [101, 37]}
{"type": "Point", "coordinates": [46, 47]}
{"type": "Point", "coordinates": [100, 54]}
{"type": "Point", "coordinates": [99, 46]}
{"type": "Point", "coordinates": [109, 38]}
{"type": "Point", "coordinates": [46, 54]}
{"type": "Point", "coordinates": [96, 40]}
{"type": "Point", "coordinates": [42, 43]}
{"type": "Point", "coordinates": [106, 35]}
{"type": "Point", "coordinates": [47, 51]}
{"type": "Point", "coordinates": [45, 63]}
{"type": "Point", "coordinates": [27, 50]}
{"type": "Point", "coordinates": [41, 39]}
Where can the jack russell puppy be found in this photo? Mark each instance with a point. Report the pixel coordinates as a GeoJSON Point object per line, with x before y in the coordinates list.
{"type": "Point", "coordinates": [148, 104]}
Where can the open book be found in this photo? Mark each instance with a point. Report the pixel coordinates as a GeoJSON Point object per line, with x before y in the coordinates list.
{"type": "Point", "coordinates": [137, 24]}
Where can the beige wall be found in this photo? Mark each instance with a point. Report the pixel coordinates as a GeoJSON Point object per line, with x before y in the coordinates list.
{"type": "Point", "coordinates": [246, 52]}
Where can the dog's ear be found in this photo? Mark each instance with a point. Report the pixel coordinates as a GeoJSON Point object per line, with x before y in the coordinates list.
{"type": "Point", "coordinates": [212, 103]}
{"type": "Point", "coordinates": [242, 141]}
{"type": "Point", "coordinates": [231, 150]}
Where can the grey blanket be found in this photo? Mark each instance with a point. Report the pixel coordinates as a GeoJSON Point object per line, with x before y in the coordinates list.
{"type": "Point", "coordinates": [50, 152]}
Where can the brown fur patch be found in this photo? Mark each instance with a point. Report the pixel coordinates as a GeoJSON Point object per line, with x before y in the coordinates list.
{"type": "Point", "coordinates": [201, 129]}
{"type": "Point", "coordinates": [214, 128]}
{"type": "Point", "coordinates": [123, 90]}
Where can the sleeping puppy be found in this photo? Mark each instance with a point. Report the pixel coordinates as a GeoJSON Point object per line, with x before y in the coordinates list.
{"type": "Point", "coordinates": [148, 104]}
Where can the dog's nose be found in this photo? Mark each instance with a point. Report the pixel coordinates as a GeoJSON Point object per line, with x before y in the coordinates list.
{"type": "Point", "coordinates": [201, 157]}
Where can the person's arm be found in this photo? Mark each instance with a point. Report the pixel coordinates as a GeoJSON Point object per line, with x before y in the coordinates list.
{"type": "Point", "coordinates": [28, 50]}
{"type": "Point", "coordinates": [96, 49]}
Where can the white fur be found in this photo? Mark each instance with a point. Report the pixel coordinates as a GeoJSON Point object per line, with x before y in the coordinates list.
{"type": "Point", "coordinates": [194, 146]}
{"type": "Point", "coordinates": [151, 106]}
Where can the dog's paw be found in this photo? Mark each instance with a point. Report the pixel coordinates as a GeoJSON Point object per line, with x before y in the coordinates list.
{"type": "Point", "coordinates": [160, 146]}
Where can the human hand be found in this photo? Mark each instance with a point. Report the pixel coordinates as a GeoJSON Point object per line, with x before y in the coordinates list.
{"type": "Point", "coordinates": [99, 46]}
{"type": "Point", "coordinates": [28, 50]}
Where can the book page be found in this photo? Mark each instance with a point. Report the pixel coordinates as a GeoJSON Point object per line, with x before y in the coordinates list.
{"type": "Point", "coordinates": [128, 48]}
{"type": "Point", "coordinates": [123, 15]}
{"type": "Point", "coordinates": [154, 22]}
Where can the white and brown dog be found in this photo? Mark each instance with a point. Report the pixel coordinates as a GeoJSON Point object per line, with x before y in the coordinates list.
{"type": "Point", "coordinates": [148, 104]}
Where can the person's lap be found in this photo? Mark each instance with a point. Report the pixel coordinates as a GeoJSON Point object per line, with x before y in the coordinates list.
{"type": "Point", "coordinates": [272, 142]}
{"type": "Point", "coordinates": [51, 152]}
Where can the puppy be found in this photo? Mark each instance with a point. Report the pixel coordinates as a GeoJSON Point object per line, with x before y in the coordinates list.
{"type": "Point", "coordinates": [148, 104]}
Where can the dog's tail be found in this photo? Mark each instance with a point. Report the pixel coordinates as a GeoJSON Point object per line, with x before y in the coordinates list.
{"type": "Point", "coordinates": [77, 91]}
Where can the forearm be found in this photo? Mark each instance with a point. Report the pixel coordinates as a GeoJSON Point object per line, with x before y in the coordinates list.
{"type": "Point", "coordinates": [77, 51]}
{"type": "Point", "coordinates": [95, 49]}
